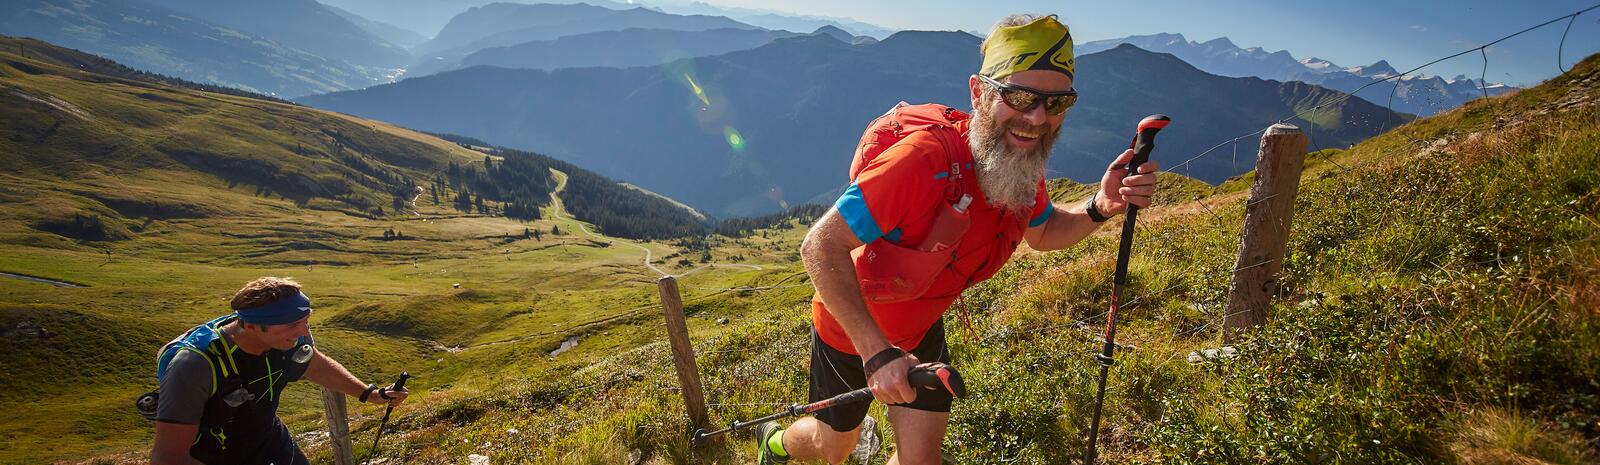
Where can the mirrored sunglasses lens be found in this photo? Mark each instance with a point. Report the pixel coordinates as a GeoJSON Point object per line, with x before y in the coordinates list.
{"type": "Point", "coordinates": [1059, 104]}
{"type": "Point", "coordinates": [1020, 100]}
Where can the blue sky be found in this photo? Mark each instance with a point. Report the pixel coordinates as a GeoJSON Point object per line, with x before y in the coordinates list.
{"type": "Point", "coordinates": [1349, 33]}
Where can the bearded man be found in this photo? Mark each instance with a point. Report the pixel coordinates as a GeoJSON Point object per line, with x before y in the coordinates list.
{"type": "Point", "coordinates": [932, 229]}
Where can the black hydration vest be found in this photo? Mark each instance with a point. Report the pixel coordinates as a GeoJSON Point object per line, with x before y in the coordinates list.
{"type": "Point", "coordinates": [239, 423]}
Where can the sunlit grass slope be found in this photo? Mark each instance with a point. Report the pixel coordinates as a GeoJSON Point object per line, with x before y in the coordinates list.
{"type": "Point", "coordinates": [1439, 307]}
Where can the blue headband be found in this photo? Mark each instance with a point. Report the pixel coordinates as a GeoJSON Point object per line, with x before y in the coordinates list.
{"type": "Point", "coordinates": [286, 310]}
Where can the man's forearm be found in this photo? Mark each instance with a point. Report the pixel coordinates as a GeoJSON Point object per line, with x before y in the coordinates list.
{"type": "Point", "coordinates": [1067, 226]}
{"type": "Point", "coordinates": [328, 372]}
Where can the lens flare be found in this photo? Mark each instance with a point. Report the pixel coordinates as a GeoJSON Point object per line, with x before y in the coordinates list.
{"type": "Point", "coordinates": [698, 92]}
{"type": "Point", "coordinates": [735, 140]}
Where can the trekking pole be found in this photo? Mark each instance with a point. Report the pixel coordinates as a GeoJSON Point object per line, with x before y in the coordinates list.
{"type": "Point", "coordinates": [1143, 142]}
{"type": "Point", "coordinates": [399, 385]}
{"type": "Point", "coordinates": [930, 376]}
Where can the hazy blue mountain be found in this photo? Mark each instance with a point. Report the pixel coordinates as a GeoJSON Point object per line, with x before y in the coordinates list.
{"type": "Point", "coordinates": [1421, 95]}
{"type": "Point", "coordinates": [747, 131]}
{"type": "Point", "coordinates": [504, 24]}
{"type": "Point", "coordinates": [302, 24]}
{"type": "Point", "coordinates": [835, 32]}
{"type": "Point", "coordinates": [161, 40]}
{"type": "Point", "coordinates": [619, 49]}
{"type": "Point", "coordinates": [394, 34]}
{"type": "Point", "coordinates": [428, 16]}
{"type": "Point", "coordinates": [772, 19]}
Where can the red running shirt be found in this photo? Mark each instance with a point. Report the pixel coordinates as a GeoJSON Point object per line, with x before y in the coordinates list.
{"type": "Point", "coordinates": [895, 198]}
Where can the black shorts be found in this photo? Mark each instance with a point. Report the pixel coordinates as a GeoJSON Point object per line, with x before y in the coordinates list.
{"type": "Point", "coordinates": [834, 372]}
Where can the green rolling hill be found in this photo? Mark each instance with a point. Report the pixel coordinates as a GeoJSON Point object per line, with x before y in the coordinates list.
{"type": "Point", "coordinates": [160, 197]}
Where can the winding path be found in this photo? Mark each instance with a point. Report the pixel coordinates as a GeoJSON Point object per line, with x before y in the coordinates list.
{"type": "Point", "coordinates": [649, 255]}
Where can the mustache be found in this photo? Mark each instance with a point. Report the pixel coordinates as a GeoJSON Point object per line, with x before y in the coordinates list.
{"type": "Point", "coordinates": [1020, 126]}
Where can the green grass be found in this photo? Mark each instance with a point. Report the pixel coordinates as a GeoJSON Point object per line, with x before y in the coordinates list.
{"type": "Point", "coordinates": [1423, 289]}
{"type": "Point", "coordinates": [1438, 307]}
{"type": "Point", "coordinates": [181, 241]}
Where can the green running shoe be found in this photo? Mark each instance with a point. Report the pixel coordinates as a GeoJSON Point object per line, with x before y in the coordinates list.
{"type": "Point", "coordinates": [769, 445]}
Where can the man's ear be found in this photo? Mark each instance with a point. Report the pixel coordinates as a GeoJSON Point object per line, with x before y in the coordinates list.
{"type": "Point", "coordinates": [976, 87]}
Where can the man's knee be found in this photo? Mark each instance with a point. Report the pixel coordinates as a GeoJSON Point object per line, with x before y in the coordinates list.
{"type": "Point", "coordinates": [834, 445]}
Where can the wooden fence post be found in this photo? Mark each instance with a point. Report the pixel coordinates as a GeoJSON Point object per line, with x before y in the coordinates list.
{"type": "Point", "coordinates": [1266, 226]}
{"type": "Point", "coordinates": [682, 351]}
{"type": "Point", "coordinates": [333, 408]}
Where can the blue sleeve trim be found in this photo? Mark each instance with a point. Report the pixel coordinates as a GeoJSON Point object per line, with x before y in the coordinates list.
{"type": "Point", "coordinates": [893, 236]}
{"type": "Point", "coordinates": [853, 207]}
{"type": "Point", "coordinates": [1043, 216]}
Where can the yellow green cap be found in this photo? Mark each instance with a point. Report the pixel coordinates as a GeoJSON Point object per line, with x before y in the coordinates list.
{"type": "Point", "coordinates": [1043, 44]}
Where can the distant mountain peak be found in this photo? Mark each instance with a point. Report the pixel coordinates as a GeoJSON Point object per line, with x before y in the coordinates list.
{"type": "Point", "coordinates": [1169, 37]}
{"type": "Point", "coordinates": [1221, 42]}
{"type": "Point", "coordinates": [835, 32]}
{"type": "Point", "coordinates": [1376, 69]}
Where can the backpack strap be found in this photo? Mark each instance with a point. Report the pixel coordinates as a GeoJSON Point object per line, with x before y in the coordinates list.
{"type": "Point", "coordinates": [904, 119]}
{"type": "Point", "coordinates": [206, 341]}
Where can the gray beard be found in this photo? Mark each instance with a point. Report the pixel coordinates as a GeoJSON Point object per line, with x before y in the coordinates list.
{"type": "Point", "coordinates": [1009, 177]}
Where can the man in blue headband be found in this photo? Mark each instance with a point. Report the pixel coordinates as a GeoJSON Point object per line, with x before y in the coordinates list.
{"type": "Point", "coordinates": [882, 290]}
{"type": "Point", "coordinates": [220, 383]}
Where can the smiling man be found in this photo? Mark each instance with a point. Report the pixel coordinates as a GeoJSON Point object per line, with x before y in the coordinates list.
{"type": "Point", "coordinates": [220, 383]}
{"type": "Point", "coordinates": [928, 217]}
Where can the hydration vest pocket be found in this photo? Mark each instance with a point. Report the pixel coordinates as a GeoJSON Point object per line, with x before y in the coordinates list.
{"type": "Point", "coordinates": [891, 273]}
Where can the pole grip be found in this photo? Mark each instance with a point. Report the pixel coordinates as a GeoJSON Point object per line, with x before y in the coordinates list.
{"type": "Point", "coordinates": [400, 384]}
{"type": "Point", "coordinates": [1144, 140]}
{"type": "Point", "coordinates": [938, 376]}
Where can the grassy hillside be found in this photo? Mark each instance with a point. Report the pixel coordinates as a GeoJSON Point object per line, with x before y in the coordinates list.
{"type": "Point", "coordinates": [1439, 301]}
{"type": "Point", "coordinates": [161, 200]}
{"type": "Point", "coordinates": [1439, 307]}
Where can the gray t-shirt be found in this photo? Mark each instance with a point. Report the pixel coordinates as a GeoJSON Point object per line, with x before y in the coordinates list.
{"type": "Point", "coordinates": [184, 389]}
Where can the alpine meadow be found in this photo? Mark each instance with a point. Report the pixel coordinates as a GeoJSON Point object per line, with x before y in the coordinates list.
{"type": "Point", "coordinates": [591, 257]}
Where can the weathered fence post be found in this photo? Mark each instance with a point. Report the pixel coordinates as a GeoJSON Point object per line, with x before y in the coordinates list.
{"type": "Point", "coordinates": [338, 427]}
{"type": "Point", "coordinates": [682, 351]}
{"type": "Point", "coordinates": [1266, 226]}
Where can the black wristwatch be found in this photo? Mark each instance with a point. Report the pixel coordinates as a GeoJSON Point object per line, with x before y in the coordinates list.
{"type": "Point", "coordinates": [367, 393]}
{"type": "Point", "coordinates": [1093, 211]}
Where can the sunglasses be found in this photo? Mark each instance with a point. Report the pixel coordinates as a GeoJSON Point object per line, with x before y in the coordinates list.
{"type": "Point", "coordinates": [1023, 99]}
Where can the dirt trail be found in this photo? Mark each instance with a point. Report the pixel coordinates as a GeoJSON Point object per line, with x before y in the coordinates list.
{"type": "Point", "coordinates": [649, 256]}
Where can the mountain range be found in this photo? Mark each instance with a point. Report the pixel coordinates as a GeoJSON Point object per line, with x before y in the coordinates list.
{"type": "Point", "coordinates": [618, 49]}
{"type": "Point", "coordinates": [771, 19]}
{"type": "Point", "coordinates": [1415, 94]}
{"type": "Point", "coordinates": [300, 24]}
{"type": "Point", "coordinates": [752, 131]}
{"type": "Point", "coordinates": [503, 24]}
{"type": "Point", "coordinates": [427, 17]}
{"type": "Point", "coordinates": [186, 45]}
{"type": "Point", "coordinates": [397, 35]}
